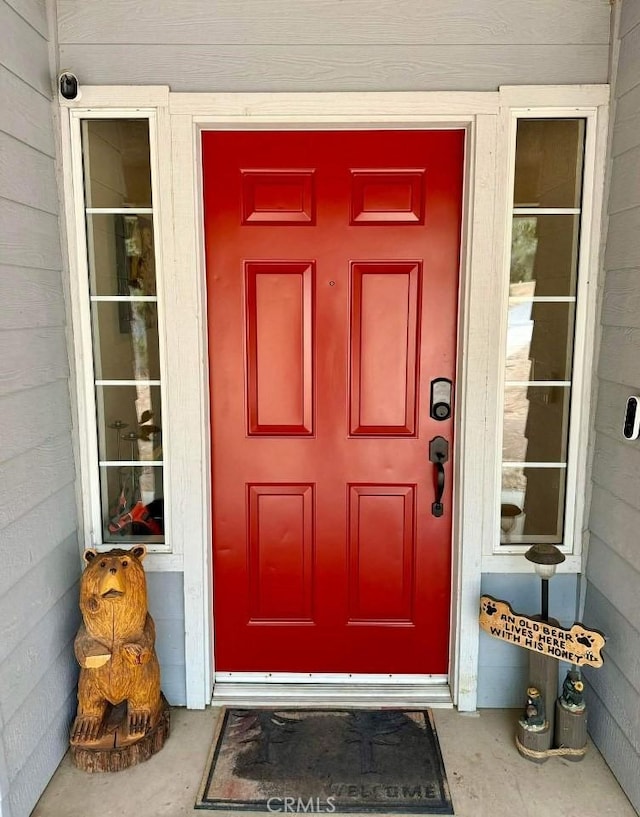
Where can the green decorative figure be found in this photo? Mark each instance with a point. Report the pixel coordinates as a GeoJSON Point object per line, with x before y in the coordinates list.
{"type": "Point", "coordinates": [534, 718]}
{"type": "Point", "coordinates": [572, 697]}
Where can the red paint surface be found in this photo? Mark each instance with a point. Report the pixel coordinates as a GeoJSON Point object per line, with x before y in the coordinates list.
{"type": "Point", "coordinates": [332, 274]}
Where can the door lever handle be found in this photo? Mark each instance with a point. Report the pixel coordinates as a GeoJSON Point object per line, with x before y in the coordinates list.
{"type": "Point", "coordinates": [437, 508]}
{"type": "Point", "coordinates": [438, 455]}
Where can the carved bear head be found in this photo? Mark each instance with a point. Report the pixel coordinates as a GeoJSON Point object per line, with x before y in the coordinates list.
{"type": "Point", "coordinates": [113, 593]}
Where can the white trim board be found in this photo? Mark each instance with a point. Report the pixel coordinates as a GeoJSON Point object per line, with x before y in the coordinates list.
{"type": "Point", "coordinates": [486, 118]}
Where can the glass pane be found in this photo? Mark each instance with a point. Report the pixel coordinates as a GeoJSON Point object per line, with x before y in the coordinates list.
{"type": "Point", "coordinates": [540, 341]}
{"type": "Point", "coordinates": [549, 162]}
{"type": "Point", "coordinates": [117, 170]}
{"type": "Point", "coordinates": [132, 504]}
{"type": "Point", "coordinates": [121, 255]}
{"type": "Point", "coordinates": [532, 505]}
{"type": "Point", "coordinates": [544, 255]}
{"type": "Point", "coordinates": [130, 422]}
{"type": "Point", "coordinates": [125, 340]}
{"type": "Point", "coordinates": [535, 424]}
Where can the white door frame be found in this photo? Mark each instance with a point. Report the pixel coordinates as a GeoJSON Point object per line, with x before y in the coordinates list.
{"type": "Point", "coordinates": [486, 116]}
{"type": "Point", "coordinates": [478, 115]}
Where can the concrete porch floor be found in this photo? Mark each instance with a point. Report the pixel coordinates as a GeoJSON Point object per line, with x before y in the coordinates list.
{"type": "Point", "coordinates": [487, 776]}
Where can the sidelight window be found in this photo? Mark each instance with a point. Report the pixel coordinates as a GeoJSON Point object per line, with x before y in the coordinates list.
{"type": "Point", "coordinates": [123, 318]}
{"type": "Point", "coordinates": [542, 350]}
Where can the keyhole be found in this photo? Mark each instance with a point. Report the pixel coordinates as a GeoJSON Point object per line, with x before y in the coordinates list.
{"type": "Point", "coordinates": [332, 283]}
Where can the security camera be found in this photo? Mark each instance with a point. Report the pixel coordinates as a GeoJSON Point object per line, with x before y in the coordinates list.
{"type": "Point", "coordinates": [68, 86]}
{"type": "Point", "coordinates": [631, 426]}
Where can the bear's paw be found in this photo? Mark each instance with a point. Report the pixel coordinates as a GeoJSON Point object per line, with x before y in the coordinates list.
{"type": "Point", "coordinates": [139, 721]}
{"type": "Point", "coordinates": [85, 728]}
{"type": "Point", "coordinates": [137, 654]}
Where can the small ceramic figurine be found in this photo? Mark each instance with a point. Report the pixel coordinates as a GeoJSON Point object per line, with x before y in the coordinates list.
{"type": "Point", "coordinates": [572, 697]}
{"type": "Point", "coordinates": [534, 716]}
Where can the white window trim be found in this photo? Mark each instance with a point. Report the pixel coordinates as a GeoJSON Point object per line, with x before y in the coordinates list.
{"type": "Point", "coordinates": [90, 499]}
{"type": "Point", "coordinates": [497, 558]}
{"type": "Point", "coordinates": [487, 213]}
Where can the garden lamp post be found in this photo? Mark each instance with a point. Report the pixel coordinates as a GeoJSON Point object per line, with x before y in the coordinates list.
{"type": "Point", "coordinates": [545, 560]}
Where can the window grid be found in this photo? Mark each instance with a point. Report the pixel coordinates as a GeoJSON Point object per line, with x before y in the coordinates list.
{"type": "Point", "coordinates": [512, 300]}
{"type": "Point", "coordinates": [89, 212]}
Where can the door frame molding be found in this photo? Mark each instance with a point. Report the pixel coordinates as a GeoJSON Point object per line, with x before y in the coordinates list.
{"type": "Point", "coordinates": [180, 117]}
{"type": "Point", "coordinates": [477, 114]}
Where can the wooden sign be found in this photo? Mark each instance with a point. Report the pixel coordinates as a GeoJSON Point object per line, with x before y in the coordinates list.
{"type": "Point", "coordinates": [578, 645]}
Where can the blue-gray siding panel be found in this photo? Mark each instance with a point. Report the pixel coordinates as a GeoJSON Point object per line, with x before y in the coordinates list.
{"type": "Point", "coordinates": [24, 50]}
{"type": "Point", "coordinates": [42, 302]}
{"type": "Point", "coordinates": [23, 544]}
{"type": "Point", "coordinates": [35, 185]}
{"type": "Point", "coordinates": [26, 113]}
{"type": "Point", "coordinates": [294, 68]}
{"type": "Point", "coordinates": [613, 742]}
{"type": "Point", "coordinates": [32, 659]}
{"type": "Point", "coordinates": [34, 12]}
{"type": "Point", "coordinates": [613, 567]}
{"type": "Point", "coordinates": [629, 16]}
{"type": "Point", "coordinates": [30, 723]}
{"type": "Point", "coordinates": [620, 634]}
{"type": "Point", "coordinates": [38, 769]}
{"type": "Point", "coordinates": [356, 45]}
{"type": "Point", "coordinates": [331, 22]}
{"type": "Point", "coordinates": [38, 524]}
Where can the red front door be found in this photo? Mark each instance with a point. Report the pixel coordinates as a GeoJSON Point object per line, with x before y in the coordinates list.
{"type": "Point", "coordinates": [332, 273]}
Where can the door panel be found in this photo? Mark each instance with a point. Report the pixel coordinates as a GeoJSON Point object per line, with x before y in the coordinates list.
{"type": "Point", "coordinates": [384, 355]}
{"type": "Point", "coordinates": [279, 347]}
{"type": "Point", "coordinates": [381, 554]}
{"type": "Point", "coordinates": [332, 274]}
{"type": "Point", "coordinates": [281, 553]}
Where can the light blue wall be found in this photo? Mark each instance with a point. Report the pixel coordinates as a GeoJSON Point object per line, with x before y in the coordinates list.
{"type": "Point", "coordinates": [166, 605]}
{"type": "Point", "coordinates": [503, 668]}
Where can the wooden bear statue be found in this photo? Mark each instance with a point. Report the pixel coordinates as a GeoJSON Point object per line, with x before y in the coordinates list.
{"type": "Point", "coordinates": [122, 716]}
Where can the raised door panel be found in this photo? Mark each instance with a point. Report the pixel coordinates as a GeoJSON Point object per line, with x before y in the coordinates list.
{"type": "Point", "coordinates": [381, 554]}
{"type": "Point", "coordinates": [384, 348]}
{"type": "Point", "coordinates": [272, 197]}
{"type": "Point", "coordinates": [279, 365]}
{"type": "Point", "coordinates": [387, 196]}
{"type": "Point", "coordinates": [281, 553]}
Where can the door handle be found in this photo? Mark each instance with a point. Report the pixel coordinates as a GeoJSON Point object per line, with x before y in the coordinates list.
{"type": "Point", "coordinates": [438, 455]}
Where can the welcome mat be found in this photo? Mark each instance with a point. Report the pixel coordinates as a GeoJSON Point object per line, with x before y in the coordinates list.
{"type": "Point", "coordinates": [326, 761]}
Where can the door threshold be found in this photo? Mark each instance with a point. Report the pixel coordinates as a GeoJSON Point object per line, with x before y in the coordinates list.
{"type": "Point", "coordinates": [331, 695]}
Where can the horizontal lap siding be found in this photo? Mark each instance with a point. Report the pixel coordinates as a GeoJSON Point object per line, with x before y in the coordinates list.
{"type": "Point", "coordinates": [38, 526]}
{"type": "Point", "coordinates": [326, 45]}
{"type": "Point", "coordinates": [38, 514]}
{"type": "Point", "coordinates": [335, 67]}
{"type": "Point", "coordinates": [613, 566]}
{"type": "Point", "coordinates": [287, 22]}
